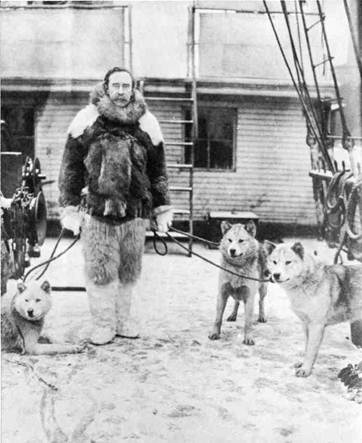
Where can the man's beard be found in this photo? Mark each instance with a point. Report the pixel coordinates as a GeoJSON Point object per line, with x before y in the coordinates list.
{"type": "Point", "coordinates": [121, 102]}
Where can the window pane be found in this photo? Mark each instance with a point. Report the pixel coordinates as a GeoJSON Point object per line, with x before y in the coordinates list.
{"type": "Point", "coordinates": [221, 154]}
{"type": "Point", "coordinates": [215, 145]}
{"type": "Point", "coordinates": [201, 153]}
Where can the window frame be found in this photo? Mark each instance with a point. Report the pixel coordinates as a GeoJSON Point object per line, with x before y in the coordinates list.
{"type": "Point", "coordinates": [235, 117]}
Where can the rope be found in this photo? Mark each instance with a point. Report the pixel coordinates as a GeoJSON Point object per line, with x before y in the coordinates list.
{"type": "Point", "coordinates": [333, 191]}
{"type": "Point", "coordinates": [160, 239]}
{"type": "Point", "coordinates": [352, 204]}
{"type": "Point", "coordinates": [300, 73]}
{"type": "Point", "coordinates": [299, 93]}
{"type": "Point", "coordinates": [157, 237]}
{"type": "Point", "coordinates": [195, 237]}
{"type": "Point", "coordinates": [52, 256]}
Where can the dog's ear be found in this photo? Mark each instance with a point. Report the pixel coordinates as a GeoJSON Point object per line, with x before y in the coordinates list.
{"type": "Point", "coordinates": [45, 286]}
{"type": "Point", "coordinates": [225, 226]}
{"type": "Point", "coordinates": [268, 247]}
{"type": "Point", "coordinates": [250, 227]}
{"type": "Point", "coordinates": [21, 287]}
{"type": "Point", "coordinates": [298, 248]}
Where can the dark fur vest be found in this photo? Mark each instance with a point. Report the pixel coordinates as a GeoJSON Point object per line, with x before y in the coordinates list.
{"type": "Point", "coordinates": [116, 163]}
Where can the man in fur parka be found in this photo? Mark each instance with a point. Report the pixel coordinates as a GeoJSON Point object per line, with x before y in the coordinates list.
{"type": "Point", "coordinates": [114, 155]}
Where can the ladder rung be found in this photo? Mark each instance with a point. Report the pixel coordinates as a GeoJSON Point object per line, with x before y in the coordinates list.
{"type": "Point", "coordinates": [323, 62]}
{"type": "Point", "coordinates": [180, 188]}
{"type": "Point", "coordinates": [179, 143]}
{"type": "Point", "coordinates": [162, 234]}
{"type": "Point", "coordinates": [181, 211]}
{"type": "Point", "coordinates": [315, 23]}
{"type": "Point", "coordinates": [179, 166]}
{"type": "Point", "coordinates": [170, 99]}
{"type": "Point", "coordinates": [176, 121]}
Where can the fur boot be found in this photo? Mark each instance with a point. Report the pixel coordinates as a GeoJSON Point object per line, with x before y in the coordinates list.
{"type": "Point", "coordinates": [126, 324]}
{"type": "Point", "coordinates": [102, 299]}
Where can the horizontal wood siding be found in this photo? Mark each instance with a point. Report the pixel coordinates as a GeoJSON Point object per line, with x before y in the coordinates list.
{"type": "Point", "coordinates": [52, 122]}
{"type": "Point", "coordinates": [272, 165]}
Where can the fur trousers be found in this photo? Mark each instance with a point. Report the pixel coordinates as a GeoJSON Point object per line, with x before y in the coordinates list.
{"type": "Point", "coordinates": [112, 251]}
{"type": "Point", "coordinates": [113, 262]}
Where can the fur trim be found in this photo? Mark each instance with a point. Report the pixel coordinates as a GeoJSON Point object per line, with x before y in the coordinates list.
{"type": "Point", "coordinates": [100, 104]}
{"type": "Point", "coordinates": [149, 123]}
{"type": "Point", "coordinates": [130, 114]}
{"type": "Point", "coordinates": [162, 209]}
{"type": "Point", "coordinates": [97, 93]}
{"type": "Point", "coordinates": [84, 119]}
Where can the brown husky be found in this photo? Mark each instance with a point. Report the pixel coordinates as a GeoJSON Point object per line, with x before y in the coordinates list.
{"type": "Point", "coordinates": [242, 254]}
{"type": "Point", "coordinates": [320, 295]}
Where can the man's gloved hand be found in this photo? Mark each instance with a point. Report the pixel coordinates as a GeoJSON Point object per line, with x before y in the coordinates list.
{"type": "Point", "coordinates": [71, 219]}
{"type": "Point", "coordinates": [5, 202]}
{"type": "Point", "coordinates": [164, 220]}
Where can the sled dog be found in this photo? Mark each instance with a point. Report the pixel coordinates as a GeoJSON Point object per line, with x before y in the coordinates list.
{"type": "Point", "coordinates": [23, 319]}
{"type": "Point", "coordinates": [320, 295]}
{"type": "Point", "coordinates": [242, 254]}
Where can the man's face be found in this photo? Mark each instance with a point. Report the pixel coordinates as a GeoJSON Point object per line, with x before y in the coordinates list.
{"type": "Point", "coordinates": [120, 88]}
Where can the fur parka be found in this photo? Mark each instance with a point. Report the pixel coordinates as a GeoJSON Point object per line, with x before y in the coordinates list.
{"type": "Point", "coordinates": [117, 155]}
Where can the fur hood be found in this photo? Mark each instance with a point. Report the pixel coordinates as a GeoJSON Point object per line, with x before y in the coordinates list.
{"type": "Point", "coordinates": [100, 104]}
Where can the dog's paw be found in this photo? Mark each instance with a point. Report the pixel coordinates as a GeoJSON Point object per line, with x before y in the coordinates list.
{"type": "Point", "coordinates": [261, 319]}
{"type": "Point", "coordinates": [249, 341]}
{"type": "Point", "coordinates": [302, 372]}
{"type": "Point", "coordinates": [214, 335]}
{"type": "Point", "coordinates": [232, 317]}
{"type": "Point", "coordinates": [299, 364]}
{"type": "Point", "coordinates": [81, 347]}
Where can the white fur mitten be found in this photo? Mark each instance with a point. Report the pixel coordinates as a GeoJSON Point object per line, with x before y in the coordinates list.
{"type": "Point", "coordinates": [71, 219]}
{"type": "Point", "coordinates": [164, 219]}
{"type": "Point", "coordinates": [5, 202]}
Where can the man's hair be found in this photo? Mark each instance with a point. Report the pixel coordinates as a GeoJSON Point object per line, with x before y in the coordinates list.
{"type": "Point", "coordinates": [112, 71]}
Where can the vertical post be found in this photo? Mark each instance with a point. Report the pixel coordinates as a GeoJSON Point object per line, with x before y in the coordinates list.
{"type": "Point", "coordinates": [127, 37]}
{"type": "Point", "coordinates": [194, 119]}
{"type": "Point", "coordinates": [130, 45]}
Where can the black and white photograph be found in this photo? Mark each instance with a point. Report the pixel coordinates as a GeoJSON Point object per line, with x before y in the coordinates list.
{"type": "Point", "coordinates": [181, 221]}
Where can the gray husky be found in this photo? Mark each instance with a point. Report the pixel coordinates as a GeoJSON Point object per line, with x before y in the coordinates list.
{"type": "Point", "coordinates": [242, 254]}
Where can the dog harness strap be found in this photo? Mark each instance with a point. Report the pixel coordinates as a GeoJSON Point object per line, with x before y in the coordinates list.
{"type": "Point", "coordinates": [21, 336]}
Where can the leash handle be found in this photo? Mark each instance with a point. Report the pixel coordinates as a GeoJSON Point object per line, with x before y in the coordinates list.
{"type": "Point", "coordinates": [156, 238]}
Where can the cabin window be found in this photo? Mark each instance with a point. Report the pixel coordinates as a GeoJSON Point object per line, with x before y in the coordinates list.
{"type": "Point", "coordinates": [215, 146]}
{"type": "Point", "coordinates": [20, 123]}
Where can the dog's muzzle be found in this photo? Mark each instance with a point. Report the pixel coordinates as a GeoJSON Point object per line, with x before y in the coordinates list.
{"type": "Point", "coordinates": [233, 254]}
